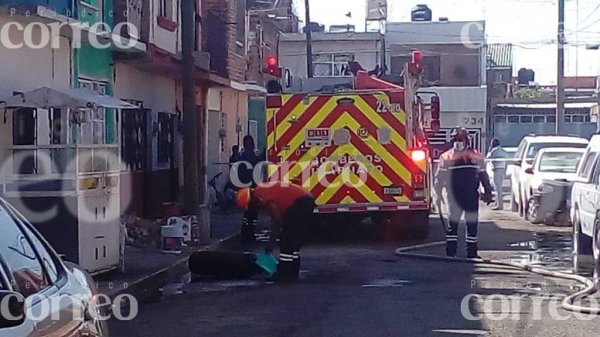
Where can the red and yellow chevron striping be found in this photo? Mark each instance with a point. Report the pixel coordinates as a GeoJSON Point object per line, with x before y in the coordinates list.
{"type": "Point", "coordinates": [357, 171]}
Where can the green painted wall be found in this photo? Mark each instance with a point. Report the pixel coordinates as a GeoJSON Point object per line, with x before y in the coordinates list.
{"type": "Point", "coordinates": [258, 113]}
{"type": "Point", "coordinates": [93, 63]}
{"type": "Point", "coordinates": [96, 64]}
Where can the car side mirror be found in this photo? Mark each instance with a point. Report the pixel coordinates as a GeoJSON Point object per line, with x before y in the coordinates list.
{"type": "Point", "coordinates": [529, 170]}
{"type": "Point", "coordinates": [13, 309]}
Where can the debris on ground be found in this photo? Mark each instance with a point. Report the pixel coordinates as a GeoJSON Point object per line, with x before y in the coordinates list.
{"type": "Point", "coordinates": [142, 233]}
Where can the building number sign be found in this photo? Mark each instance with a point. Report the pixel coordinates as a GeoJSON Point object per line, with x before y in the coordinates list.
{"type": "Point", "coordinates": [471, 121]}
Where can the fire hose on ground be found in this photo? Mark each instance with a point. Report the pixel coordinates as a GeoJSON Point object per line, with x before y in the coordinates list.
{"type": "Point", "coordinates": [567, 302]}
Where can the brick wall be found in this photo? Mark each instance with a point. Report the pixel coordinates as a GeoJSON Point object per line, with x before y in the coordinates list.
{"type": "Point", "coordinates": [235, 60]}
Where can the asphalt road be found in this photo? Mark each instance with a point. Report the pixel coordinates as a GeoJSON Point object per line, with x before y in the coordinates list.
{"type": "Point", "coordinates": [360, 288]}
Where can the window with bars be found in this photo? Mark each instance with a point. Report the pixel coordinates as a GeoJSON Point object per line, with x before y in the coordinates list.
{"type": "Point", "coordinates": [92, 11]}
{"type": "Point", "coordinates": [528, 119]}
{"type": "Point", "coordinates": [331, 65]}
{"type": "Point", "coordinates": [166, 137]}
{"type": "Point", "coordinates": [93, 128]}
{"type": "Point", "coordinates": [166, 9]}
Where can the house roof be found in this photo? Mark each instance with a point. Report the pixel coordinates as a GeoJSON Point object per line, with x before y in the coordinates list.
{"type": "Point", "coordinates": [500, 55]}
{"type": "Point", "coordinates": [435, 32]}
{"type": "Point", "coordinates": [344, 36]}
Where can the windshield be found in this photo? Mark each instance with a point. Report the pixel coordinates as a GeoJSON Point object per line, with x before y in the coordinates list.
{"type": "Point", "coordinates": [535, 148]}
{"type": "Point", "coordinates": [560, 162]}
{"type": "Point", "coordinates": [510, 153]}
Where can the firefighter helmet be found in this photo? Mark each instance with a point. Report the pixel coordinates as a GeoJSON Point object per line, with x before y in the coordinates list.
{"type": "Point", "coordinates": [460, 134]}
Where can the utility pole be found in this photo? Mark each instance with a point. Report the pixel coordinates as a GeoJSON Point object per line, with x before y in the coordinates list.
{"type": "Point", "coordinates": [309, 63]}
{"type": "Point", "coordinates": [560, 85]}
{"type": "Point", "coordinates": [190, 118]}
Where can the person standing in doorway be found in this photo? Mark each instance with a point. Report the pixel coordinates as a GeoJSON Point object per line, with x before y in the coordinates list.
{"type": "Point", "coordinates": [496, 158]}
{"type": "Point", "coordinates": [235, 155]}
{"type": "Point", "coordinates": [247, 161]}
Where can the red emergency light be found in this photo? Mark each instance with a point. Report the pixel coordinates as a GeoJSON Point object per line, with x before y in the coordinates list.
{"type": "Point", "coordinates": [273, 66]}
{"type": "Point", "coordinates": [417, 57]}
{"type": "Point", "coordinates": [416, 64]}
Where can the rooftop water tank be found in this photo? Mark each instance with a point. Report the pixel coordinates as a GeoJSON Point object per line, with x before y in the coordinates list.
{"type": "Point", "coordinates": [421, 13]}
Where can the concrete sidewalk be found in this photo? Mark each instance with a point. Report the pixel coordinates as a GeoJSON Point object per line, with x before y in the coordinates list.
{"type": "Point", "coordinates": [148, 269]}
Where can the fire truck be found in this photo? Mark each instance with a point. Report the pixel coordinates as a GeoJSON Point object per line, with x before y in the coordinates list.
{"type": "Point", "coordinates": [363, 151]}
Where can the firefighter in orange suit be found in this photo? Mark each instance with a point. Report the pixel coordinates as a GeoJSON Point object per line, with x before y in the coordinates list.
{"type": "Point", "coordinates": [291, 208]}
{"type": "Point", "coordinates": [461, 170]}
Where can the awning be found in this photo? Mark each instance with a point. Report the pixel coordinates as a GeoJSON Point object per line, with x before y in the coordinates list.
{"type": "Point", "coordinates": [79, 98]}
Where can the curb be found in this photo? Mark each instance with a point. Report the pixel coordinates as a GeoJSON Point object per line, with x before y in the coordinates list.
{"type": "Point", "coordinates": [147, 286]}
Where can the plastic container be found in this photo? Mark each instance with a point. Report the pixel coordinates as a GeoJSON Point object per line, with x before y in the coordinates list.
{"type": "Point", "coordinates": [268, 262]}
{"type": "Point", "coordinates": [183, 226]}
{"type": "Point", "coordinates": [421, 13]}
{"type": "Point", "coordinates": [172, 239]}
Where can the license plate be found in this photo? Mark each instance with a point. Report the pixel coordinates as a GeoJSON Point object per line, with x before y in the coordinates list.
{"type": "Point", "coordinates": [392, 190]}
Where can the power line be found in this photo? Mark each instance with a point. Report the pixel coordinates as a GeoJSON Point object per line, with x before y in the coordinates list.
{"type": "Point", "coordinates": [590, 25]}
{"type": "Point", "coordinates": [592, 13]}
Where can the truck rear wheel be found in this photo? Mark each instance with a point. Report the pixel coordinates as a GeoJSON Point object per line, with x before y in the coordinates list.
{"type": "Point", "coordinates": [415, 224]}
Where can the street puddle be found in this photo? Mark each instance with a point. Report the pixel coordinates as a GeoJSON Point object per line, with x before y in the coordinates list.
{"type": "Point", "coordinates": [222, 286]}
{"type": "Point", "coordinates": [386, 283]}
{"type": "Point", "coordinates": [172, 289]}
{"type": "Point", "coordinates": [549, 250]}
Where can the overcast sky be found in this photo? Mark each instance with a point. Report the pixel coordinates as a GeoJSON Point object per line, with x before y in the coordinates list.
{"type": "Point", "coordinates": [529, 24]}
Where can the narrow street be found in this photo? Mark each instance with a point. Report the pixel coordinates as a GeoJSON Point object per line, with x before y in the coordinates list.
{"type": "Point", "coordinates": [362, 289]}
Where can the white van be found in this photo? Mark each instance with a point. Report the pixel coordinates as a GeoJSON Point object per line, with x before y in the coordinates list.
{"type": "Point", "coordinates": [585, 206]}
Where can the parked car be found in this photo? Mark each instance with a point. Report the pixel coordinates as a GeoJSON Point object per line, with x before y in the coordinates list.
{"type": "Point", "coordinates": [548, 184]}
{"type": "Point", "coordinates": [585, 206]}
{"type": "Point", "coordinates": [526, 152]}
{"type": "Point", "coordinates": [43, 292]}
{"type": "Point", "coordinates": [510, 155]}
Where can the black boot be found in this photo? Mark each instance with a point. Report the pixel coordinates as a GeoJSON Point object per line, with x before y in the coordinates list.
{"type": "Point", "coordinates": [285, 272]}
{"type": "Point", "coordinates": [295, 272]}
{"type": "Point", "coordinates": [451, 247]}
{"type": "Point", "coordinates": [472, 251]}
{"type": "Point", "coordinates": [247, 233]}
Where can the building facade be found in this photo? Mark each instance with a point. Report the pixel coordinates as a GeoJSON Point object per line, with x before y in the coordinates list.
{"type": "Point", "coordinates": [331, 54]}
{"type": "Point", "coordinates": [60, 160]}
{"type": "Point", "coordinates": [152, 137]}
{"type": "Point", "coordinates": [454, 55]}
{"type": "Point", "coordinates": [515, 119]}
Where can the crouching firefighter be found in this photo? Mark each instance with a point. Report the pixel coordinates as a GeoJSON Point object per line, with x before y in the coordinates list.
{"type": "Point", "coordinates": [291, 209]}
{"type": "Point", "coordinates": [461, 170]}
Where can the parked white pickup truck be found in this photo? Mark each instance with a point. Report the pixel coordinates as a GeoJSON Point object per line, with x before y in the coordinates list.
{"type": "Point", "coordinates": [528, 149]}
{"type": "Point", "coordinates": [548, 184]}
{"type": "Point", "coordinates": [585, 206]}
